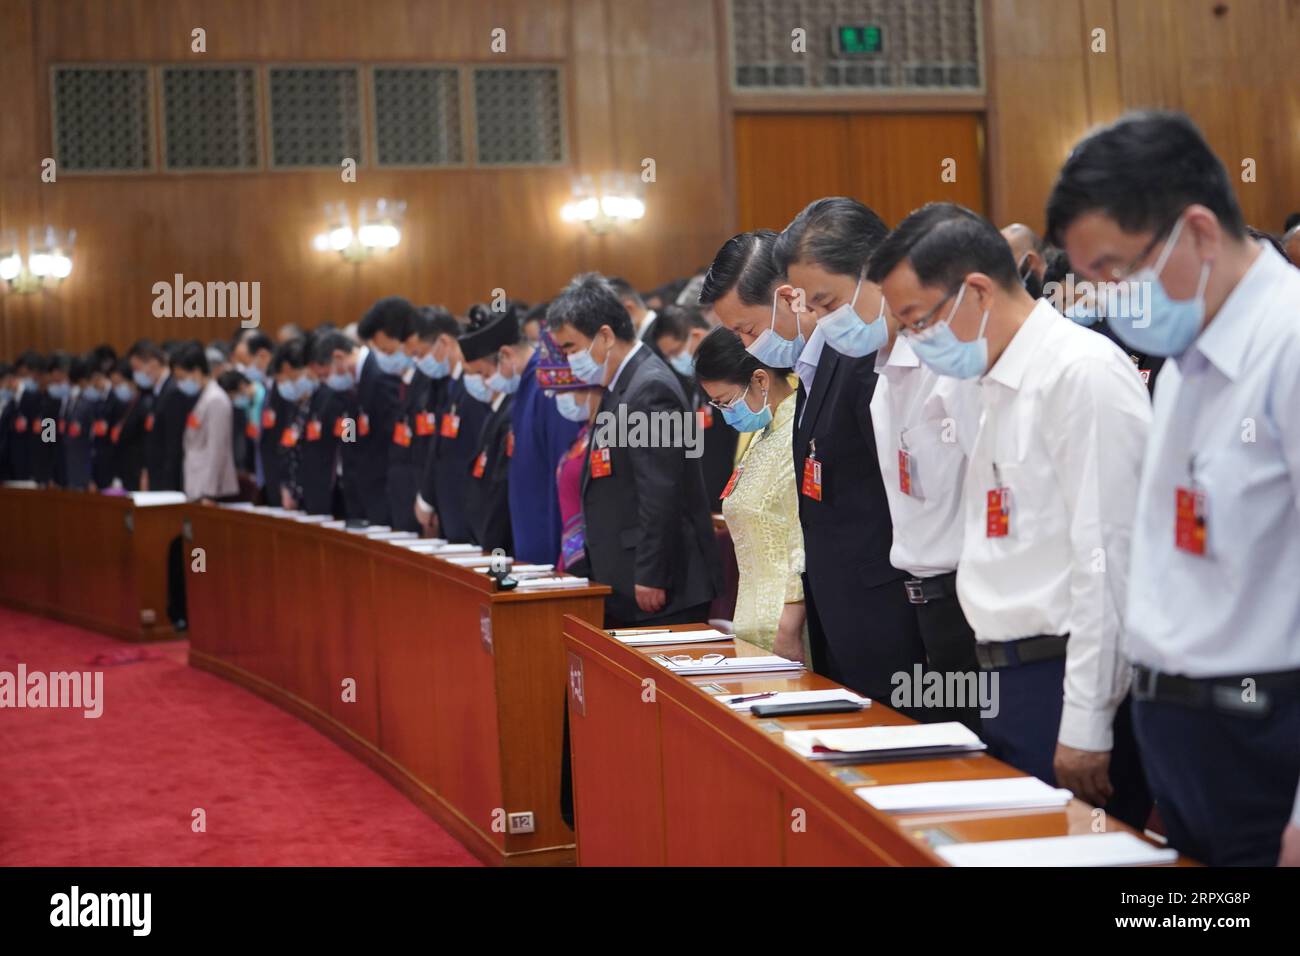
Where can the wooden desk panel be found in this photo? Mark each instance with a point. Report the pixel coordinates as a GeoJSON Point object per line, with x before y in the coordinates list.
{"type": "Point", "coordinates": [732, 792]}
{"type": "Point", "coordinates": [97, 561]}
{"type": "Point", "coordinates": [470, 730]}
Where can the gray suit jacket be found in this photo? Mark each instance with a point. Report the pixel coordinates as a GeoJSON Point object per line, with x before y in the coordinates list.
{"type": "Point", "coordinates": [209, 464]}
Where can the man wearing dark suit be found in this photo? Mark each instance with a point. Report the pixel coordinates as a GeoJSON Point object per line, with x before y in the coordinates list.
{"type": "Point", "coordinates": [649, 530]}
{"type": "Point", "coordinates": [164, 423]}
{"type": "Point", "coordinates": [460, 419]}
{"type": "Point", "coordinates": [47, 452]}
{"type": "Point", "coordinates": [23, 424]}
{"type": "Point", "coordinates": [861, 629]}
{"type": "Point", "coordinates": [318, 467]}
{"type": "Point", "coordinates": [126, 431]}
{"type": "Point", "coordinates": [77, 428]}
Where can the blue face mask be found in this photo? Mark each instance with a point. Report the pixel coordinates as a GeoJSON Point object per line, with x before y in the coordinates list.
{"type": "Point", "coordinates": [59, 390]}
{"type": "Point", "coordinates": [939, 347]}
{"type": "Point", "coordinates": [847, 334]}
{"type": "Point", "coordinates": [774, 351]}
{"type": "Point", "coordinates": [432, 367]}
{"type": "Point", "coordinates": [392, 363]}
{"type": "Point", "coordinates": [569, 408]}
{"type": "Point", "coordinates": [1171, 325]}
{"type": "Point", "coordinates": [499, 383]}
{"type": "Point", "coordinates": [240, 402]}
{"type": "Point", "coordinates": [142, 379]}
{"type": "Point", "coordinates": [475, 386]}
{"type": "Point", "coordinates": [586, 367]}
{"type": "Point", "coordinates": [683, 363]}
{"type": "Point", "coordinates": [6, 395]}
{"type": "Point", "coordinates": [743, 418]}
{"type": "Point", "coordinates": [188, 386]}
{"type": "Point", "coordinates": [307, 386]}
{"type": "Point", "coordinates": [123, 392]}
{"type": "Point", "coordinates": [252, 373]}
{"type": "Point", "coordinates": [288, 390]}
{"type": "Point", "coordinates": [339, 381]}
{"type": "Point", "coordinates": [92, 394]}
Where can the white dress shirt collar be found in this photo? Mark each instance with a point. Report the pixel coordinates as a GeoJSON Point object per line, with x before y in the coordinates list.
{"type": "Point", "coordinates": [1225, 342]}
{"type": "Point", "coordinates": [805, 365]}
{"type": "Point", "coordinates": [1009, 369]}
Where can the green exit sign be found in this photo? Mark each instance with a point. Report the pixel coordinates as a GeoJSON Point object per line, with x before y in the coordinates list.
{"type": "Point", "coordinates": [855, 41]}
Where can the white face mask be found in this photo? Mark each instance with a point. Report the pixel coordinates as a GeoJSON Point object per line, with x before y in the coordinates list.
{"type": "Point", "coordinates": [849, 335]}
{"type": "Point", "coordinates": [774, 351]}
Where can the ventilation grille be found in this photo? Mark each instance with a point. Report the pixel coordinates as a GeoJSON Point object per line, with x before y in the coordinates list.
{"type": "Point", "coordinates": [315, 116]}
{"type": "Point", "coordinates": [101, 119]}
{"type": "Point", "coordinates": [210, 118]}
{"type": "Point", "coordinates": [417, 116]}
{"type": "Point", "coordinates": [518, 116]}
{"type": "Point", "coordinates": [929, 45]}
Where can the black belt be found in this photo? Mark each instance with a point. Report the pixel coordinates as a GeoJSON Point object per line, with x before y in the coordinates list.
{"type": "Point", "coordinates": [1247, 695]}
{"type": "Point", "coordinates": [925, 590]}
{"type": "Point", "coordinates": [1027, 650]}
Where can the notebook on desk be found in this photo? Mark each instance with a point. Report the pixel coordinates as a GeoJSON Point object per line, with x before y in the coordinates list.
{"type": "Point", "coordinates": [862, 744]}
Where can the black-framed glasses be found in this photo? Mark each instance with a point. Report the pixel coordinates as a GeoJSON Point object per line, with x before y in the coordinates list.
{"type": "Point", "coordinates": [1119, 275]}
{"type": "Point", "coordinates": [726, 406]}
{"type": "Point", "coordinates": [927, 320]}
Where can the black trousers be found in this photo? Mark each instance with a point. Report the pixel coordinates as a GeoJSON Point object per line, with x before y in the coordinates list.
{"type": "Point", "coordinates": [693, 615]}
{"type": "Point", "coordinates": [949, 649]}
{"type": "Point", "coordinates": [1023, 732]}
{"type": "Point", "coordinates": [1225, 783]}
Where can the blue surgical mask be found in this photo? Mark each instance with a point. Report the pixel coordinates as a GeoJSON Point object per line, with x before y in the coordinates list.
{"type": "Point", "coordinates": [475, 386]}
{"type": "Point", "coordinates": [6, 395]}
{"type": "Point", "coordinates": [499, 383]}
{"type": "Point", "coordinates": [252, 373]}
{"type": "Point", "coordinates": [92, 394]}
{"type": "Point", "coordinates": [59, 390]}
{"type": "Point", "coordinates": [188, 386]}
{"type": "Point", "coordinates": [393, 363]}
{"type": "Point", "coordinates": [743, 418]}
{"type": "Point", "coordinates": [567, 405]}
{"type": "Point", "coordinates": [288, 390]}
{"type": "Point", "coordinates": [307, 386]}
{"type": "Point", "coordinates": [683, 363]}
{"type": "Point", "coordinates": [240, 402]}
{"type": "Point", "coordinates": [939, 347]}
{"type": "Point", "coordinates": [847, 334]}
{"type": "Point", "coordinates": [142, 379]}
{"type": "Point", "coordinates": [123, 392]}
{"type": "Point", "coordinates": [774, 351]}
{"type": "Point", "coordinates": [1084, 315]}
{"type": "Point", "coordinates": [1171, 325]}
{"type": "Point", "coordinates": [586, 367]}
{"type": "Point", "coordinates": [339, 381]}
{"type": "Point", "coordinates": [432, 367]}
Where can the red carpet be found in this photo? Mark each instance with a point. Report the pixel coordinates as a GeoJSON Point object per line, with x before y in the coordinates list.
{"type": "Point", "coordinates": [120, 790]}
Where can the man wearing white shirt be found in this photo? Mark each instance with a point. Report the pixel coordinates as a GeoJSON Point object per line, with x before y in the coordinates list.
{"type": "Point", "coordinates": [1048, 499]}
{"type": "Point", "coordinates": [1214, 612]}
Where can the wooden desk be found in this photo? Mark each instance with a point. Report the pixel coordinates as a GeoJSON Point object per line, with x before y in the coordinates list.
{"type": "Point", "coordinates": [459, 688]}
{"type": "Point", "coordinates": [97, 561]}
{"type": "Point", "coordinates": [665, 775]}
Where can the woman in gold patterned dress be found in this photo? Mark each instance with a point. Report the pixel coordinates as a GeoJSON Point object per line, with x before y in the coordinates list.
{"type": "Point", "coordinates": [759, 502]}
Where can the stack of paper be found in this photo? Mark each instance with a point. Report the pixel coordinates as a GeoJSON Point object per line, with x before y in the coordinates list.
{"type": "Point", "coordinates": [1003, 793]}
{"type": "Point", "coordinates": [392, 536]}
{"type": "Point", "coordinates": [650, 636]}
{"type": "Point", "coordinates": [794, 697]}
{"type": "Point", "coordinates": [312, 519]}
{"type": "Point", "coordinates": [338, 524]}
{"type": "Point", "coordinates": [237, 505]}
{"type": "Point", "coordinates": [148, 499]}
{"type": "Point", "coordinates": [1088, 849]}
{"type": "Point", "coordinates": [367, 529]}
{"type": "Point", "coordinates": [729, 665]}
{"type": "Point", "coordinates": [859, 744]}
{"type": "Point", "coordinates": [553, 582]}
{"type": "Point", "coordinates": [22, 483]}
{"type": "Point", "coordinates": [471, 560]}
{"type": "Point", "coordinates": [519, 570]}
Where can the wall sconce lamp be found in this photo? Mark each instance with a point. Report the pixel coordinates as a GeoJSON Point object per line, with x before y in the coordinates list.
{"type": "Point", "coordinates": [49, 259]}
{"type": "Point", "coordinates": [618, 200]}
{"type": "Point", "coordinates": [379, 228]}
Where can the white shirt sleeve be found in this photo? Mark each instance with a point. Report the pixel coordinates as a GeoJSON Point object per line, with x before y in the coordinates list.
{"type": "Point", "coordinates": [1105, 417]}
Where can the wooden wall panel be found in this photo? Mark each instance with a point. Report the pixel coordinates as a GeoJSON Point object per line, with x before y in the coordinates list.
{"type": "Point", "coordinates": [641, 82]}
{"type": "Point", "coordinates": [891, 161]}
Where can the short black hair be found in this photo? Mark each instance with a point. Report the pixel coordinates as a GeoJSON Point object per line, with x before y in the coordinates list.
{"type": "Point", "coordinates": [943, 243]}
{"type": "Point", "coordinates": [837, 233]}
{"type": "Point", "coordinates": [676, 321]}
{"type": "Point", "coordinates": [722, 357]}
{"type": "Point", "coordinates": [325, 346]}
{"type": "Point", "coordinates": [58, 361]}
{"type": "Point", "coordinates": [78, 369]}
{"type": "Point", "coordinates": [5, 369]}
{"type": "Point", "coordinates": [191, 356]}
{"type": "Point", "coordinates": [744, 263]}
{"type": "Point", "coordinates": [587, 303]}
{"type": "Point", "coordinates": [31, 360]}
{"type": "Point", "coordinates": [231, 380]}
{"type": "Point", "coordinates": [1142, 171]}
{"type": "Point", "coordinates": [259, 342]}
{"type": "Point", "coordinates": [292, 353]}
{"type": "Point", "coordinates": [147, 349]}
{"type": "Point", "coordinates": [624, 290]}
{"type": "Point", "coordinates": [103, 356]}
{"type": "Point", "coordinates": [1292, 221]}
{"type": "Point", "coordinates": [536, 314]}
{"type": "Point", "coordinates": [122, 368]}
{"type": "Point", "coordinates": [392, 315]}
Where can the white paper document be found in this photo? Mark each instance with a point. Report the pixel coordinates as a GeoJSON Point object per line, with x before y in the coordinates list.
{"type": "Point", "coordinates": [883, 742]}
{"type": "Point", "coordinates": [632, 639]}
{"type": "Point", "coordinates": [1088, 849]}
{"type": "Point", "coordinates": [728, 665]}
{"type": "Point", "coordinates": [1003, 793]}
{"type": "Point", "coordinates": [795, 697]}
{"type": "Point", "coordinates": [148, 499]}
{"type": "Point", "coordinates": [367, 529]}
{"type": "Point", "coordinates": [556, 582]}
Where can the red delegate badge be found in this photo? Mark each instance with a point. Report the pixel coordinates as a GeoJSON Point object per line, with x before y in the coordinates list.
{"type": "Point", "coordinates": [601, 465]}
{"type": "Point", "coordinates": [812, 478]}
{"type": "Point", "coordinates": [998, 524]}
{"type": "Point", "coordinates": [450, 425]}
{"type": "Point", "coordinates": [480, 465]}
{"type": "Point", "coordinates": [402, 434]}
{"type": "Point", "coordinates": [314, 430]}
{"type": "Point", "coordinates": [731, 482]}
{"type": "Point", "coordinates": [1190, 527]}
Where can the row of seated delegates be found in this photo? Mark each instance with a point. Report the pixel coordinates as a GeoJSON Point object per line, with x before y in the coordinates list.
{"type": "Point", "coordinates": [675, 335]}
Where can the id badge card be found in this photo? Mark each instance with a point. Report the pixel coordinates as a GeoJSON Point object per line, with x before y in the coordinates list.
{"type": "Point", "coordinates": [402, 434]}
{"type": "Point", "coordinates": [424, 424]}
{"type": "Point", "coordinates": [1191, 520]}
{"type": "Point", "coordinates": [998, 523]}
{"type": "Point", "coordinates": [811, 486]}
{"type": "Point", "coordinates": [363, 424]}
{"type": "Point", "coordinates": [480, 465]}
{"type": "Point", "coordinates": [908, 479]}
{"type": "Point", "coordinates": [731, 482]}
{"type": "Point", "coordinates": [601, 465]}
{"type": "Point", "coordinates": [289, 437]}
{"type": "Point", "coordinates": [100, 428]}
{"type": "Point", "coordinates": [192, 422]}
{"type": "Point", "coordinates": [450, 425]}
{"type": "Point", "coordinates": [313, 429]}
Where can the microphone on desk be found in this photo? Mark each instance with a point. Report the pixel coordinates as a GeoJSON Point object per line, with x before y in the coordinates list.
{"type": "Point", "coordinates": [499, 570]}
